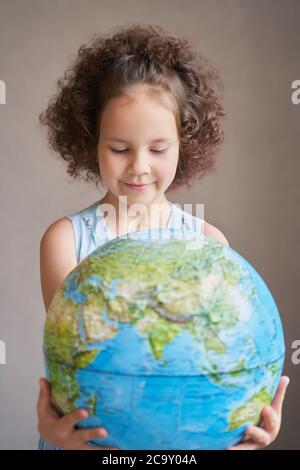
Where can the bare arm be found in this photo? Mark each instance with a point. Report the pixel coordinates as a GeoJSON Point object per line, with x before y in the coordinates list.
{"type": "Point", "coordinates": [214, 232]}
{"type": "Point", "coordinates": [57, 257]}
{"type": "Point", "coordinates": [57, 260]}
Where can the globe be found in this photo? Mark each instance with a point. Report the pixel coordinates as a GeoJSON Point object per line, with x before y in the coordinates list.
{"type": "Point", "coordinates": [169, 339]}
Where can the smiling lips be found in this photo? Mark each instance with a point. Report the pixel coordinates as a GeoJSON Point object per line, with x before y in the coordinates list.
{"type": "Point", "coordinates": [137, 186]}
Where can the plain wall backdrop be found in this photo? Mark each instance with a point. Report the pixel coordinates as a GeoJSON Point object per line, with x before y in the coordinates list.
{"type": "Point", "coordinates": [253, 198]}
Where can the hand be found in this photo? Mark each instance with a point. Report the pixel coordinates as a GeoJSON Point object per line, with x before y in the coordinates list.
{"type": "Point", "coordinates": [259, 437]}
{"type": "Point", "coordinates": [60, 431]}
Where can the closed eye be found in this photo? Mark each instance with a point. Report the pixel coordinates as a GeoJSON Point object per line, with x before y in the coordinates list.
{"type": "Point", "coordinates": [125, 150]}
{"type": "Point", "coordinates": [159, 151]}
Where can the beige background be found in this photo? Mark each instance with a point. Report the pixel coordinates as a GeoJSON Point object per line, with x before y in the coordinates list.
{"type": "Point", "coordinates": [253, 198]}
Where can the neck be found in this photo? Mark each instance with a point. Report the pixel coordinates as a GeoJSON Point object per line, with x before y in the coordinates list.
{"type": "Point", "coordinates": [123, 216]}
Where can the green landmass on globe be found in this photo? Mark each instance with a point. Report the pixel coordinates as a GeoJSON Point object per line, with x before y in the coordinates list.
{"type": "Point", "coordinates": [145, 330]}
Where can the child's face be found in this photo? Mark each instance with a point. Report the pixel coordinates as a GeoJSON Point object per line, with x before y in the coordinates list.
{"type": "Point", "coordinates": [138, 121]}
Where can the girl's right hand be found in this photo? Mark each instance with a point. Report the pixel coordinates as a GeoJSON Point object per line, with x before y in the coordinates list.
{"type": "Point", "coordinates": [60, 431]}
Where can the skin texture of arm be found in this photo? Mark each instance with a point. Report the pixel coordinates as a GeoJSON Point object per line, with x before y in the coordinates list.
{"type": "Point", "coordinates": [57, 257]}
{"type": "Point", "coordinates": [214, 232]}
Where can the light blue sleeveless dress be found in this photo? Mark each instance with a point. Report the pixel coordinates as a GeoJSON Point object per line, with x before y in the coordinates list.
{"type": "Point", "coordinates": [91, 231]}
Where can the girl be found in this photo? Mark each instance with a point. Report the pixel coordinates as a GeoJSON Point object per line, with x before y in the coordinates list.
{"type": "Point", "coordinates": [137, 108]}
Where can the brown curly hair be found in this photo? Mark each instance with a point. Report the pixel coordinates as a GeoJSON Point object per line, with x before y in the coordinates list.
{"type": "Point", "coordinates": [108, 67]}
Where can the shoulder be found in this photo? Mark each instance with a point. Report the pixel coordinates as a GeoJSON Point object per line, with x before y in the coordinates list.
{"type": "Point", "coordinates": [214, 232]}
{"type": "Point", "coordinates": [59, 231]}
{"type": "Point", "coordinates": [57, 256]}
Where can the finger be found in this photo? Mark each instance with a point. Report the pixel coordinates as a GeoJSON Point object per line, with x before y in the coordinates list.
{"type": "Point", "coordinates": [259, 436]}
{"type": "Point", "coordinates": [271, 420]}
{"type": "Point", "coordinates": [244, 446]}
{"type": "Point", "coordinates": [68, 421]}
{"type": "Point", "coordinates": [43, 404]}
{"type": "Point", "coordinates": [91, 447]}
{"type": "Point", "coordinates": [280, 393]}
{"type": "Point", "coordinates": [84, 435]}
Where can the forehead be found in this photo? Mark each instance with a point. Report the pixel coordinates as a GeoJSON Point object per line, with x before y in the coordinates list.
{"type": "Point", "coordinates": [138, 113]}
{"type": "Point", "coordinates": [113, 138]}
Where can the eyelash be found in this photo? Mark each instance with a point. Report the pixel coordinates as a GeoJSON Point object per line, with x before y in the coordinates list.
{"type": "Point", "coordinates": [125, 150]}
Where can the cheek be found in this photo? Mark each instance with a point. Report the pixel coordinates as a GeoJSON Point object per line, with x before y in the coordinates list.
{"type": "Point", "coordinates": [167, 167]}
{"type": "Point", "coordinates": [110, 166]}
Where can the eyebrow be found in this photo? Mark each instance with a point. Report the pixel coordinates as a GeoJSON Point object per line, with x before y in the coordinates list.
{"type": "Point", "coordinates": [115, 139]}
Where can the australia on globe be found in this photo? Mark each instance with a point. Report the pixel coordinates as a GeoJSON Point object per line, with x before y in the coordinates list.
{"type": "Point", "coordinates": [170, 340]}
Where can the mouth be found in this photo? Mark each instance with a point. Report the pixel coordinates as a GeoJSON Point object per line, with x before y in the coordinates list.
{"type": "Point", "coordinates": [137, 186]}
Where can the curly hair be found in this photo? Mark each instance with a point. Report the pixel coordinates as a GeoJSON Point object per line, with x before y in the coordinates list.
{"type": "Point", "coordinates": [112, 65]}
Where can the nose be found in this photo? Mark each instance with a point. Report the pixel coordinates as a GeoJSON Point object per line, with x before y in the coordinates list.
{"type": "Point", "coordinates": [139, 164]}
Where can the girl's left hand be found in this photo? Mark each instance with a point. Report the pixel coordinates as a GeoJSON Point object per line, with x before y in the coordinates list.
{"type": "Point", "coordinates": [256, 437]}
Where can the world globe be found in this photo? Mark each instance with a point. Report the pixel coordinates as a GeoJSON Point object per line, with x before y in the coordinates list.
{"type": "Point", "coordinates": [170, 340]}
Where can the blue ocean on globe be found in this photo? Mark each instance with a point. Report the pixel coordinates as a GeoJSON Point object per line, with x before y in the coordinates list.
{"type": "Point", "coordinates": [171, 341]}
